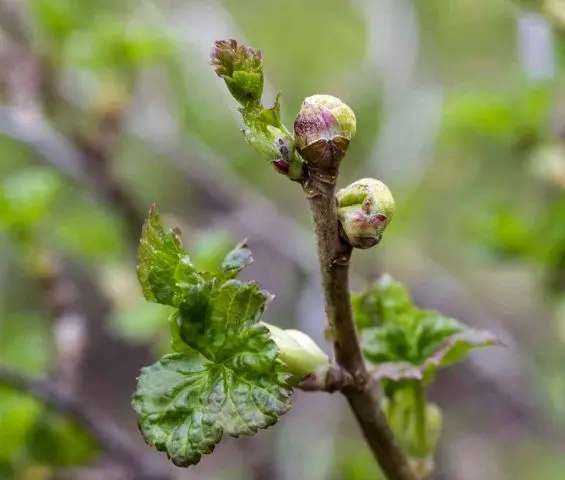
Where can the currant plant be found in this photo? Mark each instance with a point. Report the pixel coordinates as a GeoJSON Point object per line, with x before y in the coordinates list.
{"type": "Point", "coordinates": [230, 372]}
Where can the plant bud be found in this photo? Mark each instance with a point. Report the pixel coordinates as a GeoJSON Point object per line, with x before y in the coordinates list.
{"type": "Point", "coordinates": [270, 142]}
{"type": "Point", "coordinates": [323, 130]}
{"type": "Point", "coordinates": [241, 67]}
{"type": "Point", "coordinates": [298, 351]}
{"type": "Point", "coordinates": [366, 207]}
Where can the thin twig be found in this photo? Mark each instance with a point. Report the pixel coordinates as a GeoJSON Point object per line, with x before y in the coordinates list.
{"type": "Point", "coordinates": [363, 396]}
{"type": "Point", "coordinates": [107, 435]}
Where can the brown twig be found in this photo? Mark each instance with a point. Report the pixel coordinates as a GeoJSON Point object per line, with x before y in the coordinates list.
{"type": "Point", "coordinates": [107, 435]}
{"type": "Point", "coordinates": [363, 395]}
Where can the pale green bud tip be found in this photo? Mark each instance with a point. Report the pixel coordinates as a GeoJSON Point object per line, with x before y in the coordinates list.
{"type": "Point", "coordinates": [298, 351]}
{"type": "Point", "coordinates": [241, 67]}
{"type": "Point", "coordinates": [323, 130]}
{"type": "Point", "coordinates": [366, 207]}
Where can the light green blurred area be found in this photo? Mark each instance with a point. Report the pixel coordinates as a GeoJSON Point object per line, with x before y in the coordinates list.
{"type": "Point", "coordinates": [446, 115]}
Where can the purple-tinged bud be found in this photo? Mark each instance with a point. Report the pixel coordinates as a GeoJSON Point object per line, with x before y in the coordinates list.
{"type": "Point", "coordinates": [365, 209]}
{"type": "Point", "coordinates": [323, 130]}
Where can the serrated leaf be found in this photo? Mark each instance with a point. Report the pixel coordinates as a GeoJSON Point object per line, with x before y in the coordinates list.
{"type": "Point", "coordinates": [239, 258]}
{"type": "Point", "coordinates": [226, 380]}
{"type": "Point", "coordinates": [431, 348]}
{"type": "Point", "coordinates": [408, 343]}
{"type": "Point", "coordinates": [164, 269]}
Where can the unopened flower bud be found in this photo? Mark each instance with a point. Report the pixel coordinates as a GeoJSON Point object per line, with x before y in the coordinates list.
{"type": "Point", "coordinates": [323, 130]}
{"type": "Point", "coordinates": [241, 67]}
{"type": "Point", "coordinates": [366, 207]}
{"type": "Point", "coordinates": [298, 351]}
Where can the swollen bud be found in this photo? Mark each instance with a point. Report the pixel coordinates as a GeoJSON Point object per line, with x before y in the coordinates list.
{"type": "Point", "coordinates": [323, 130]}
{"type": "Point", "coordinates": [298, 351]}
{"type": "Point", "coordinates": [365, 209]}
{"type": "Point", "coordinates": [241, 67]}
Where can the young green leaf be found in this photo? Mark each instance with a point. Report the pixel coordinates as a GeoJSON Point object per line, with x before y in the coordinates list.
{"type": "Point", "coordinates": [241, 68]}
{"type": "Point", "coordinates": [164, 269]}
{"type": "Point", "coordinates": [407, 342]}
{"type": "Point", "coordinates": [384, 300]}
{"type": "Point", "coordinates": [239, 258]}
{"type": "Point", "coordinates": [226, 380]}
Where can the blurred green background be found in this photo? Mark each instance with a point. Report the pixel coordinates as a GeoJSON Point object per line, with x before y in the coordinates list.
{"type": "Point", "coordinates": [109, 106]}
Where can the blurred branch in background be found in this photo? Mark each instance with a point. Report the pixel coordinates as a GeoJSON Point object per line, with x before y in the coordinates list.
{"type": "Point", "coordinates": [136, 466]}
{"type": "Point", "coordinates": [35, 90]}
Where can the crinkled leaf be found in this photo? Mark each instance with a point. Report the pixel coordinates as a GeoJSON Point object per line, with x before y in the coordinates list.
{"type": "Point", "coordinates": [239, 258]}
{"type": "Point", "coordinates": [395, 334]}
{"type": "Point", "coordinates": [164, 268]}
{"type": "Point", "coordinates": [226, 380]}
{"type": "Point", "coordinates": [400, 359]}
{"type": "Point", "coordinates": [388, 343]}
{"type": "Point", "coordinates": [431, 331]}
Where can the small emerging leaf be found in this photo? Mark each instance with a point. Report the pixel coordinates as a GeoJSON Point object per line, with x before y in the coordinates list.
{"type": "Point", "coordinates": [164, 268]}
{"type": "Point", "coordinates": [385, 299]}
{"type": "Point", "coordinates": [408, 343]}
{"type": "Point", "coordinates": [226, 380]}
{"type": "Point", "coordinates": [241, 67]}
{"type": "Point", "coordinates": [239, 258]}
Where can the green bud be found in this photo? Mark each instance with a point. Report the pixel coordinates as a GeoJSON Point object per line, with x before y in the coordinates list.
{"type": "Point", "coordinates": [366, 207]}
{"type": "Point", "coordinates": [323, 130]}
{"type": "Point", "coordinates": [241, 67]}
{"type": "Point", "coordinates": [400, 414]}
{"type": "Point", "coordinates": [298, 351]}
